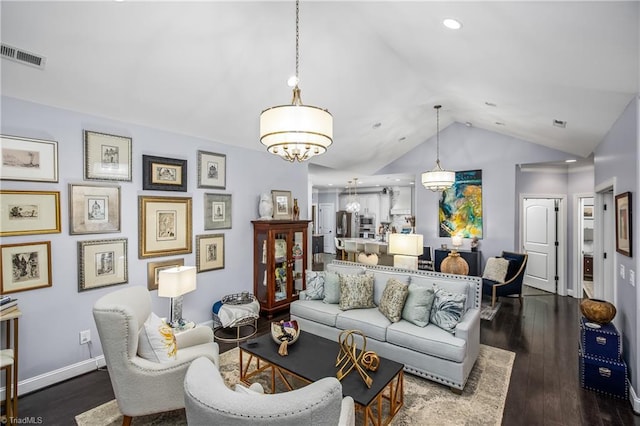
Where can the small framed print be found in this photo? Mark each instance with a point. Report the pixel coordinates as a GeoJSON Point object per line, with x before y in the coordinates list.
{"type": "Point", "coordinates": [217, 211]}
{"type": "Point", "coordinates": [282, 205]}
{"type": "Point", "coordinates": [154, 268]}
{"type": "Point", "coordinates": [164, 226]}
{"type": "Point", "coordinates": [102, 263]}
{"type": "Point", "coordinates": [25, 266]}
{"type": "Point", "coordinates": [29, 212]}
{"type": "Point", "coordinates": [27, 159]}
{"type": "Point", "coordinates": [212, 170]}
{"type": "Point", "coordinates": [209, 252]}
{"type": "Point", "coordinates": [623, 224]}
{"type": "Point", "coordinates": [164, 174]}
{"type": "Point", "coordinates": [94, 209]}
{"type": "Point", "coordinates": [106, 157]}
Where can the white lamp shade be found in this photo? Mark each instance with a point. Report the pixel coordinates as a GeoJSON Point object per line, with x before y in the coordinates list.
{"type": "Point", "coordinates": [456, 240]}
{"type": "Point", "coordinates": [438, 179]}
{"type": "Point", "coordinates": [406, 244]}
{"type": "Point", "coordinates": [174, 282]}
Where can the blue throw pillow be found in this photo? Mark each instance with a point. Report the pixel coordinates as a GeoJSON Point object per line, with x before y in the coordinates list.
{"type": "Point", "coordinates": [331, 288]}
{"type": "Point", "coordinates": [447, 309]}
{"type": "Point", "coordinates": [417, 307]}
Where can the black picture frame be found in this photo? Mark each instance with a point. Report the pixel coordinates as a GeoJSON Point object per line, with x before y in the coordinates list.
{"type": "Point", "coordinates": [624, 222]}
{"type": "Point", "coordinates": [164, 174]}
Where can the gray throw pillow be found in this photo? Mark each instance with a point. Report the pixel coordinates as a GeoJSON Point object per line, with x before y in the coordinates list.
{"type": "Point", "coordinates": [331, 288]}
{"type": "Point", "coordinates": [417, 307]}
{"type": "Point", "coordinates": [315, 285]}
{"type": "Point", "coordinates": [447, 309]}
{"type": "Point", "coordinates": [392, 300]}
{"type": "Point", "coordinates": [356, 291]}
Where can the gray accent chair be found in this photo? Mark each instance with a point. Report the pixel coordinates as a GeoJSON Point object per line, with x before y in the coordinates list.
{"type": "Point", "coordinates": [210, 402]}
{"type": "Point", "coordinates": [141, 386]}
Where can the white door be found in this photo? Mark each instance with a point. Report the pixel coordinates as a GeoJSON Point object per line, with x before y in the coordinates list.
{"type": "Point", "coordinates": [607, 291]}
{"type": "Point", "coordinates": [326, 225]}
{"type": "Point", "coordinates": [539, 242]}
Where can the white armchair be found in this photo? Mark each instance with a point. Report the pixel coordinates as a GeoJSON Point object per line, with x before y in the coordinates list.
{"type": "Point", "coordinates": [210, 402]}
{"type": "Point", "coordinates": [141, 386]}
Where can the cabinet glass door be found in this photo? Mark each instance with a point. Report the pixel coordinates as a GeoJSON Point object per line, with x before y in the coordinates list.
{"type": "Point", "coordinates": [280, 264]}
{"type": "Point", "coordinates": [298, 260]}
{"type": "Point", "coordinates": [261, 260]}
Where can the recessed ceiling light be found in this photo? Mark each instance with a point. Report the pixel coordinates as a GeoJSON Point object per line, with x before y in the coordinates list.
{"type": "Point", "coordinates": [397, 180]}
{"type": "Point", "coordinates": [412, 183]}
{"type": "Point", "coordinates": [402, 139]}
{"type": "Point", "coordinates": [330, 184]}
{"type": "Point", "coordinates": [499, 123]}
{"type": "Point", "coordinates": [468, 124]}
{"type": "Point", "coordinates": [376, 125]}
{"type": "Point", "coordinates": [570, 161]}
{"type": "Point", "coordinates": [452, 24]}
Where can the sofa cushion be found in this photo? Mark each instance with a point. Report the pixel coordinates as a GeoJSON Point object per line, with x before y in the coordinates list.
{"type": "Point", "coordinates": [315, 285]}
{"type": "Point", "coordinates": [417, 307]}
{"type": "Point", "coordinates": [430, 340]}
{"type": "Point", "coordinates": [496, 269]}
{"type": "Point", "coordinates": [315, 310]}
{"type": "Point", "coordinates": [345, 269]}
{"type": "Point", "coordinates": [356, 291]}
{"type": "Point", "coordinates": [331, 287]}
{"type": "Point", "coordinates": [452, 286]}
{"type": "Point", "coordinates": [380, 279]}
{"type": "Point", "coordinates": [447, 309]}
{"type": "Point", "coordinates": [156, 341]}
{"type": "Point", "coordinates": [370, 321]}
{"type": "Point", "coordinates": [393, 299]}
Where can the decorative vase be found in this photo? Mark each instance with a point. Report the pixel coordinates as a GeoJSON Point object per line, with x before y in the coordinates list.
{"type": "Point", "coordinates": [454, 264]}
{"type": "Point", "coordinates": [599, 311]}
{"type": "Point", "coordinates": [296, 209]}
{"type": "Point", "coordinates": [265, 207]}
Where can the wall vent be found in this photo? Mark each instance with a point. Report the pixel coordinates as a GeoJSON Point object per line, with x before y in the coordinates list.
{"type": "Point", "coordinates": [22, 56]}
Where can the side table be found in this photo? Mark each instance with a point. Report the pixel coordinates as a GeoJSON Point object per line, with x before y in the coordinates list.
{"type": "Point", "coordinates": [229, 335]}
{"type": "Point", "coordinates": [7, 319]}
{"type": "Point", "coordinates": [244, 324]}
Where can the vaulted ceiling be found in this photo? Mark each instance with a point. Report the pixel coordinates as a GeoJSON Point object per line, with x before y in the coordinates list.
{"type": "Point", "coordinates": [209, 68]}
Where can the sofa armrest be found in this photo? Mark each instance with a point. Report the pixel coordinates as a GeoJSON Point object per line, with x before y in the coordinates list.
{"type": "Point", "coordinates": [347, 413]}
{"type": "Point", "coordinates": [302, 295]}
{"type": "Point", "coordinates": [194, 336]}
{"type": "Point", "coordinates": [468, 328]}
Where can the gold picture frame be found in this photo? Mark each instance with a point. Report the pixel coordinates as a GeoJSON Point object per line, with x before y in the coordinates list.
{"type": "Point", "coordinates": [209, 252]}
{"type": "Point", "coordinates": [154, 268]}
{"type": "Point", "coordinates": [29, 212]}
{"type": "Point", "coordinates": [164, 226]}
{"type": "Point", "coordinates": [25, 266]}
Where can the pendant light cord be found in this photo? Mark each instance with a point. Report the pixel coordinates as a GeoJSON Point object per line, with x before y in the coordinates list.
{"type": "Point", "coordinates": [437, 107]}
{"type": "Point", "coordinates": [297, 39]}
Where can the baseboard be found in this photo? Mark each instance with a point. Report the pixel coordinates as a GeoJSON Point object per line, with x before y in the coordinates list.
{"type": "Point", "coordinates": [634, 399]}
{"type": "Point", "coordinates": [52, 377]}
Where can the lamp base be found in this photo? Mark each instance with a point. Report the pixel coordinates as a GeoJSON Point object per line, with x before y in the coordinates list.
{"type": "Point", "coordinates": [454, 264]}
{"type": "Point", "coordinates": [176, 313]}
{"type": "Point", "coordinates": [405, 262]}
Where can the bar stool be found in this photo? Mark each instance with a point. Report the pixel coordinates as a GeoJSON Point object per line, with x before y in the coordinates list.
{"type": "Point", "coordinates": [351, 247]}
{"type": "Point", "coordinates": [339, 246]}
{"type": "Point", "coordinates": [10, 400]}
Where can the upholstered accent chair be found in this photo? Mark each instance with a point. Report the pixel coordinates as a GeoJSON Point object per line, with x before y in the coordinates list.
{"type": "Point", "coordinates": [142, 386]}
{"type": "Point", "coordinates": [210, 402]}
{"type": "Point", "coordinates": [512, 284]}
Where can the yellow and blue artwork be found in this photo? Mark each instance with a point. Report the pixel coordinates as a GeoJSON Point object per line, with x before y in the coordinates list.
{"type": "Point", "coordinates": [460, 210]}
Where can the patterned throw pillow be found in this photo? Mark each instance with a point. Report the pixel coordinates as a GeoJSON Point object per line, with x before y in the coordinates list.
{"type": "Point", "coordinates": [496, 269]}
{"type": "Point", "coordinates": [393, 298]}
{"type": "Point", "coordinates": [356, 291]}
{"type": "Point", "coordinates": [417, 307]}
{"type": "Point", "coordinates": [447, 309]}
{"type": "Point", "coordinates": [331, 288]}
{"type": "Point", "coordinates": [315, 285]}
{"type": "Point", "coordinates": [156, 341]}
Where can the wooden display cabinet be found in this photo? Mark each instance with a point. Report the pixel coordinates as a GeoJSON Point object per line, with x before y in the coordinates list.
{"type": "Point", "coordinates": [279, 262]}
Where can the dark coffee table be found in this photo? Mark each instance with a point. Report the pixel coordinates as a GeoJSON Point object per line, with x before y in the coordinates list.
{"type": "Point", "coordinates": [311, 358]}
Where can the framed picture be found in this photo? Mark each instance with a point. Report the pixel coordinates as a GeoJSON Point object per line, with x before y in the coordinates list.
{"type": "Point", "coordinates": [217, 211]}
{"type": "Point", "coordinates": [25, 266]}
{"type": "Point", "coordinates": [106, 157]}
{"type": "Point", "coordinates": [102, 263]}
{"type": "Point", "coordinates": [29, 212]}
{"type": "Point", "coordinates": [164, 174]}
{"type": "Point", "coordinates": [33, 160]}
{"type": "Point", "coordinates": [164, 226]}
{"type": "Point", "coordinates": [623, 224]}
{"type": "Point", "coordinates": [209, 252]}
{"type": "Point", "coordinates": [154, 268]}
{"type": "Point", "coordinates": [94, 209]}
{"type": "Point", "coordinates": [282, 204]}
{"type": "Point", "coordinates": [212, 170]}
{"type": "Point", "coordinates": [460, 207]}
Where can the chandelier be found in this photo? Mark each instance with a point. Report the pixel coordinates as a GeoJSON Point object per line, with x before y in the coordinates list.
{"type": "Point", "coordinates": [438, 179]}
{"type": "Point", "coordinates": [296, 131]}
{"type": "Point", "coordinates": [353, 206]}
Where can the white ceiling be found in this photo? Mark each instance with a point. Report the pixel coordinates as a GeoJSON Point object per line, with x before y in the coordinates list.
{"type": "Point", "coordinates": [209, 68]}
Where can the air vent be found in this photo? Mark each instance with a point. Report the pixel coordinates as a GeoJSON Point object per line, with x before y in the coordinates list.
{"type": "Point", "coordinates": [560, 123]}
{"type": "Point", "coordinates": [22, 56]}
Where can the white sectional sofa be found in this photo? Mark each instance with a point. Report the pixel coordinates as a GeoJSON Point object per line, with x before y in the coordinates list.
{"type": "Point", "coordinates": [430, 352]}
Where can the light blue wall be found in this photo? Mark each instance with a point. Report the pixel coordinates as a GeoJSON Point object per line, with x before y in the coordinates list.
{"type": "Point", "coordinates": [617, 158]}
{"type": "Point", "coordinates": [52, 317]}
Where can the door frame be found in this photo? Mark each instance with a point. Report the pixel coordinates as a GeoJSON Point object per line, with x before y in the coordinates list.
{"type": "Point", "coordinates": [607, 277]}
{"type": "Point", "coordinates": [578, 236]}
{"type": "Point", "coordinates": [561, 261]}
{"type": "Point", "coordinates": [331, 226]}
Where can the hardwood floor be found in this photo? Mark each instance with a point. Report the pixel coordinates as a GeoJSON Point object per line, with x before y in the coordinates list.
{"type": "Point", "coordinates": [544, 388]}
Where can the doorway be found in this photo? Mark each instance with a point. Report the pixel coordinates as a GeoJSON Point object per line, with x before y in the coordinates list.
{"type": "Point", "coordinates": [605, 277]}
{"type": "Point", "coordinates": [584, 246]}
{"type": "Point", "coordinates": [543, 236]}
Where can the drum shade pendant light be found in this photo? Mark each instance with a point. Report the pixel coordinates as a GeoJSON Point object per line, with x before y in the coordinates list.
{"type": "Point", "coordinates": [296, 131]}
{"type": "Point", "coordinates": [438, 179]}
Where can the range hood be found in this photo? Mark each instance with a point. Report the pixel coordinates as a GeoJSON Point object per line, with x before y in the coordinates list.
{"type": "Point", "coordinates": [401, 201]}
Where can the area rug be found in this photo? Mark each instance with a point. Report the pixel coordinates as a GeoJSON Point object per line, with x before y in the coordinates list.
{"type": "Point", "coordinates": [425, 402]}
{"type": "Point", "coordinates": [487, 312]}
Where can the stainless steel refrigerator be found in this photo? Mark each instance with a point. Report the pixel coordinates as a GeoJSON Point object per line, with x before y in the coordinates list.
{"type": "Point", "coordinates": [346, 224]}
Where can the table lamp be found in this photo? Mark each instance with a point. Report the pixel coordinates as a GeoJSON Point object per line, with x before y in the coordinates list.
{"type": "Point", "coordinates": [406, 248]}
{"type": "Point", "coordinates": [173, 283]}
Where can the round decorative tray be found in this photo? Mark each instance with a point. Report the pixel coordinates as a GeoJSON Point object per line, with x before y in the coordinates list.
{"type": "Point", "coordinates": [238, 298]}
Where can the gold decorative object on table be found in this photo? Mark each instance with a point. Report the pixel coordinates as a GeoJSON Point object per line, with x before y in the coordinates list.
{"type": "Point", "coordinates": [599, 311]}
{"type": "Point", "coordinates": [349, 357]}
